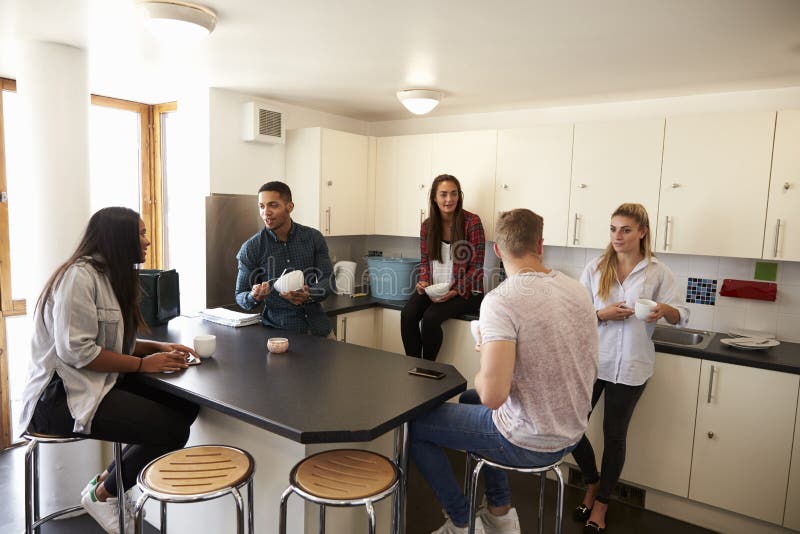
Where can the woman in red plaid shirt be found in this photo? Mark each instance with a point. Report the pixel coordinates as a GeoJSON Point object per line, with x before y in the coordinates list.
{"type": "Point", "coordinates": [452, 245]}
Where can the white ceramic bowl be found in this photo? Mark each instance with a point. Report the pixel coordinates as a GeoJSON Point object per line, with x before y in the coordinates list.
{"type": "Point", "coordinates": [291, 281]}
{"type": "Point", "coordinates": [437, 291]}
{"type": "Point", "coordinates": [277, 345]}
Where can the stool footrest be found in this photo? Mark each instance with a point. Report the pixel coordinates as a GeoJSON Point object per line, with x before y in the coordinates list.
{"type": "Point", "coordinates": [65, 511]}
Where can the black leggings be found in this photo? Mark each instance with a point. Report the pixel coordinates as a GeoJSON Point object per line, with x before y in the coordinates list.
{"type": "Point", "coordinates": [432, 314]}
{"type": "Point", "coordinates": [150, 421]}
{"type": "Point", "coordinates": [620, 401]}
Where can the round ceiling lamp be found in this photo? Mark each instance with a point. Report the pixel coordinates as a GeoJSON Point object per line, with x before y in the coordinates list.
{"type": "Point", "coordinates": [173, 21]}
{"type": "Point", "coordinates": [419, 101]}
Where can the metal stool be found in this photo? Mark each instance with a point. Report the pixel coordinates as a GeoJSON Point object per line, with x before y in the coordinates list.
{"type": "Point", "coordinates": [341, 477]}
{"type": "Point", "coordinates": [197, 474]}
{"type": "Point", "coordinates": [32, 519]}
{"type": "Point", "coordinates": [471, 481]}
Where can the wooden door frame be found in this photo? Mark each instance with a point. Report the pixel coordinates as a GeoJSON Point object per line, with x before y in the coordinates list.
{"type": "Point", "coordinates": [158, 178]}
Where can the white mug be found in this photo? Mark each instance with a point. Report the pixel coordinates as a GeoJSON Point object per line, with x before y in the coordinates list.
{"type": "Point", "coordinates": [205, 345]}
{"type": "Point", "coordinates": [643, 308]}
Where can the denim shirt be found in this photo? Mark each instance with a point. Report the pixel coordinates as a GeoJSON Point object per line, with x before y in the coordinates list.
{"type": "Point", "coordinates": [81, 318]}
{"type": "Point", "coordinates": [264, 257]}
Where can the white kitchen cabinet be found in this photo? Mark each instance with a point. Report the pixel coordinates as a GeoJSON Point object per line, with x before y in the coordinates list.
{"type": "Point", "coordinates": [612, 163]}
{"type": "Point", "coordinates": [327, 171]}
{"type": "Point", "coordinates": [661, 432]}
{"type": "Point", "coordinates": [714, 184]}
{"type": "Point", "coordinates": [743, 439]}
{"type": "Point", "coordinates": [533, 171]}
{"type": "Point", "coordinates": [458, 349]}
{"type": "Point", "coordinates": [391, 338]}
{"type": "Point", "coordinates": [359, 328]}
{"type": "Point", "coordinates": [471, 157]}
{"type": "Point", "coordinates": [662, 429]}
{"type": "Point", "coordinates": [403, 179]}
{"type": "Point", "coordinates": [791, 517]}
{"type": "Point", "coordinates": [782, 236]}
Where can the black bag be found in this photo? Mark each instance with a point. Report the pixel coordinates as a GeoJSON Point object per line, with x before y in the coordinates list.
{"type": "Point", "coordinates": [160, 296]}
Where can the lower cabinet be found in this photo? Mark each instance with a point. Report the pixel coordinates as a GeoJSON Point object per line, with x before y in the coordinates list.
{"type": "Point", "coordinates": [391, 339]}
{"type": "Point", "coordinates": [660, 435]}
{"type": "Point", "coordinates": [358, 328]}
{"type": "Point", "coordinates": [743, 439]}
{"type": "Point", "coordinates": [791, 518]}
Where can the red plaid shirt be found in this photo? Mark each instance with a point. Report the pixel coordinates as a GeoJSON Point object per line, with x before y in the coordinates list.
{"type": "Point", "coordinates": [467, 257]}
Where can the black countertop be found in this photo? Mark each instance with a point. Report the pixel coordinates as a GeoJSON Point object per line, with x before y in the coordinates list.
{"type": "Point", "coordinates": [320, 391]}
{"type": "Point", "coordinates": [785, 357]}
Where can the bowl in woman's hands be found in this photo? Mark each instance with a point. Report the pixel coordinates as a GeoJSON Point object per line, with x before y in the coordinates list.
{"type": "Point", "coordinates": [437, 291]}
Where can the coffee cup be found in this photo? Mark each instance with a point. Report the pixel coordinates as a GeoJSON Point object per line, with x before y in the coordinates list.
{"type": "Point", "coordinates": [643, 308]}
{"type": "Point", "coordinates": [205, 345]}
{"type": "Point", "coordinates": [291, 281]}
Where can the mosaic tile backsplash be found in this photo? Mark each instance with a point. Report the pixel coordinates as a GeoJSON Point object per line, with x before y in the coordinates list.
{"type": "Point", "coordinates": [701, 291]}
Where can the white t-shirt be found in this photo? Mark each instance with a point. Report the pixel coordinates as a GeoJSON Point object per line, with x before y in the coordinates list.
{"type": "Point", "coordinates": [443, 270]}
{"type": "Point", "coordinates": [551, 319]}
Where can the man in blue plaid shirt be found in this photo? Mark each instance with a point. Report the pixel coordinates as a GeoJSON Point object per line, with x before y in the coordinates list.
{"type": "Point", "coordinates": [285, 244]}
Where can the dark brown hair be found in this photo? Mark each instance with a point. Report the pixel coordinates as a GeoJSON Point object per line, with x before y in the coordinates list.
{"type": "Point", "coordinates": [518, 232]}
{"type": "Point", "coordinates": [111, 240]}
{"type": "Point", "coordinates": [433, 236]}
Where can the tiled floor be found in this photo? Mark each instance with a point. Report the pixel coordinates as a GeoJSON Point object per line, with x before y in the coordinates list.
{"type": "Point", "coordinates": [424, 513]}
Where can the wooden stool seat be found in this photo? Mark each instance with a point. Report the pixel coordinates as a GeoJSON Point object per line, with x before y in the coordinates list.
{"type": "Point", "coordinates": [344, 474]}
{"type": "Point", "coordinates": [198, 470]}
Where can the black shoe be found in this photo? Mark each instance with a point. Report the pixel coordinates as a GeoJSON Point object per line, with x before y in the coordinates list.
{"type": "Point", "coordinates": [592, 528]}
{"type": "Point", "coordinates": [581, 513]}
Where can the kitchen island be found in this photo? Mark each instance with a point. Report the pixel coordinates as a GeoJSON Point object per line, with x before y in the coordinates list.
{"type": "Point", "coordinates": [321, 394]}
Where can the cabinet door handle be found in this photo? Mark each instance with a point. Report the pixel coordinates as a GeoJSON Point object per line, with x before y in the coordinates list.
{"type": "Point", "coordinates": [344, 329]}
{"type": "Point", "coordinates": [575, 237]}
{"type": "Point", "coordinates": [711, 383]}
{"type": "Point", "coordinates": [777, 238]}
{"type": "Point", "coordinates": [421, 216]}
{"type": "Point", "coordinates": [675, 185]}
{"type": "Point", "coordinates": [328, 220]}
{"type": "Point", "coordinates": [710, 434]}
{"type": "Point", "coordinates": [581, 186]}
{"type": "Point", "coordinates": [422, 186]}
{"type": "Point", "coordinates": [667, 243]}
{"type": "Point", "coordinates": [506, 187]}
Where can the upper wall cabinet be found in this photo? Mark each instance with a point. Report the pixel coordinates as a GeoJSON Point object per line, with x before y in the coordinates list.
{"type": "Point", "coordinates": [612, 163]}
{"type": "Point", "coordinates": [327, 171]}
{"type": "Point", "coordinates": [714, 184]}
{"type": "Point", "coordinates": [533, 171]}
{"type": "Point", "coordinates": [403, 178]}
{"type": "Point", "coordinates": [782, 236]}
{"type": "Point", "coordinates": [471, 157]}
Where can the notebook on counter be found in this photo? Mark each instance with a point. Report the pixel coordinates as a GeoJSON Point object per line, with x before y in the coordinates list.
{"type": "Point", "coordinates": [228, 317]}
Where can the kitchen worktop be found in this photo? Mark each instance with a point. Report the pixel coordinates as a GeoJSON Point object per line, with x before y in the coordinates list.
{"type": "Point", "coordinates": [785, 357]}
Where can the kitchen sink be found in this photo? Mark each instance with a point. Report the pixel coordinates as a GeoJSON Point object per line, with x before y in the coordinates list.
{"type": "Point", "coordinates": [682, 337]}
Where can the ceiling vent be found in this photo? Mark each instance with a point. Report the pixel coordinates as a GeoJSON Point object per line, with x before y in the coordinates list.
{"type": "Point", "coordinates": [263, 124]}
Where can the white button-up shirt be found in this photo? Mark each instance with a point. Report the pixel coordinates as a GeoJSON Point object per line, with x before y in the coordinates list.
{"type": "Point", "coordinates": [626, 353]}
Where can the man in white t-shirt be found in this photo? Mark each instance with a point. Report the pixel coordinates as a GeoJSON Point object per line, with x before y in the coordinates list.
{"type": "Point", "coordinates": [538, 365]}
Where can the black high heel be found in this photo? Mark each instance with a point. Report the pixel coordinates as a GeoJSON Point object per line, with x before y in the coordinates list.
{"type": "Point", "coordinates": [581, 513]}
{"type": "Point", "coordinates": [592, 528]}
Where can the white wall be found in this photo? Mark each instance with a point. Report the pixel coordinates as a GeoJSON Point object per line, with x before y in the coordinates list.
{"type": "Point", "coordinates": [240, 167]}
{"type": "Point", "coordinates": [767, 99]}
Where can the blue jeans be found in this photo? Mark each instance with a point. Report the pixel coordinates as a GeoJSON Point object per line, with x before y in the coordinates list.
{"type": "Point", "coordinates": [467, 427]}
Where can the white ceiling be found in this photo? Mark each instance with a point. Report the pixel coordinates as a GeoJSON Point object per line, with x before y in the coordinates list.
{"type": "Point", "coordinates": [350, 56]}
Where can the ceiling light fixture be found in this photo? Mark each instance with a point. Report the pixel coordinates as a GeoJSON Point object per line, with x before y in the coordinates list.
{"type": "Point", "coordinates": [419, 101]}
{"type": "Point", "coordinates": [173, 21]}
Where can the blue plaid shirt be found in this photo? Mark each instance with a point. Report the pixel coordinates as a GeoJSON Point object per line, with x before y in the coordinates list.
{"type": "Point", "coordinates": [263, 258]}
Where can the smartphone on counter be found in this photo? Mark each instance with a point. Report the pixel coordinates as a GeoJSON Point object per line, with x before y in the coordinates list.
{"type": "Point", "coordinates": [427, 373]}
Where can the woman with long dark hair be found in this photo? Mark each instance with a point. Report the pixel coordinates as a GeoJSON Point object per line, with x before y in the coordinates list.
{"type": "Point", "coordinates": [452, 247]}
{"type": "Point", "coordinates": [627, 271]}
{"type": "Point", "coordinates": [84, 347]}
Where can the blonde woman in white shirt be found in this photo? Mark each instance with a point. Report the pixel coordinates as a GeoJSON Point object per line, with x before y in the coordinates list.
{"type": "Point", "coordinates": [626, 272]}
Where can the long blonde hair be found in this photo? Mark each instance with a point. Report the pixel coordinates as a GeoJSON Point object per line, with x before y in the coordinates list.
{"type": "Point", "coordinates": [608, 261]}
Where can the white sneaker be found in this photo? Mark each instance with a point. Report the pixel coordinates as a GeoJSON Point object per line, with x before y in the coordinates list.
{"type": "Point", "coordinates": [105, 513]}
{"type": "Point", "coordinates": [450, 528]}
{"type": "Point", "coordinates": [499, 524]}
